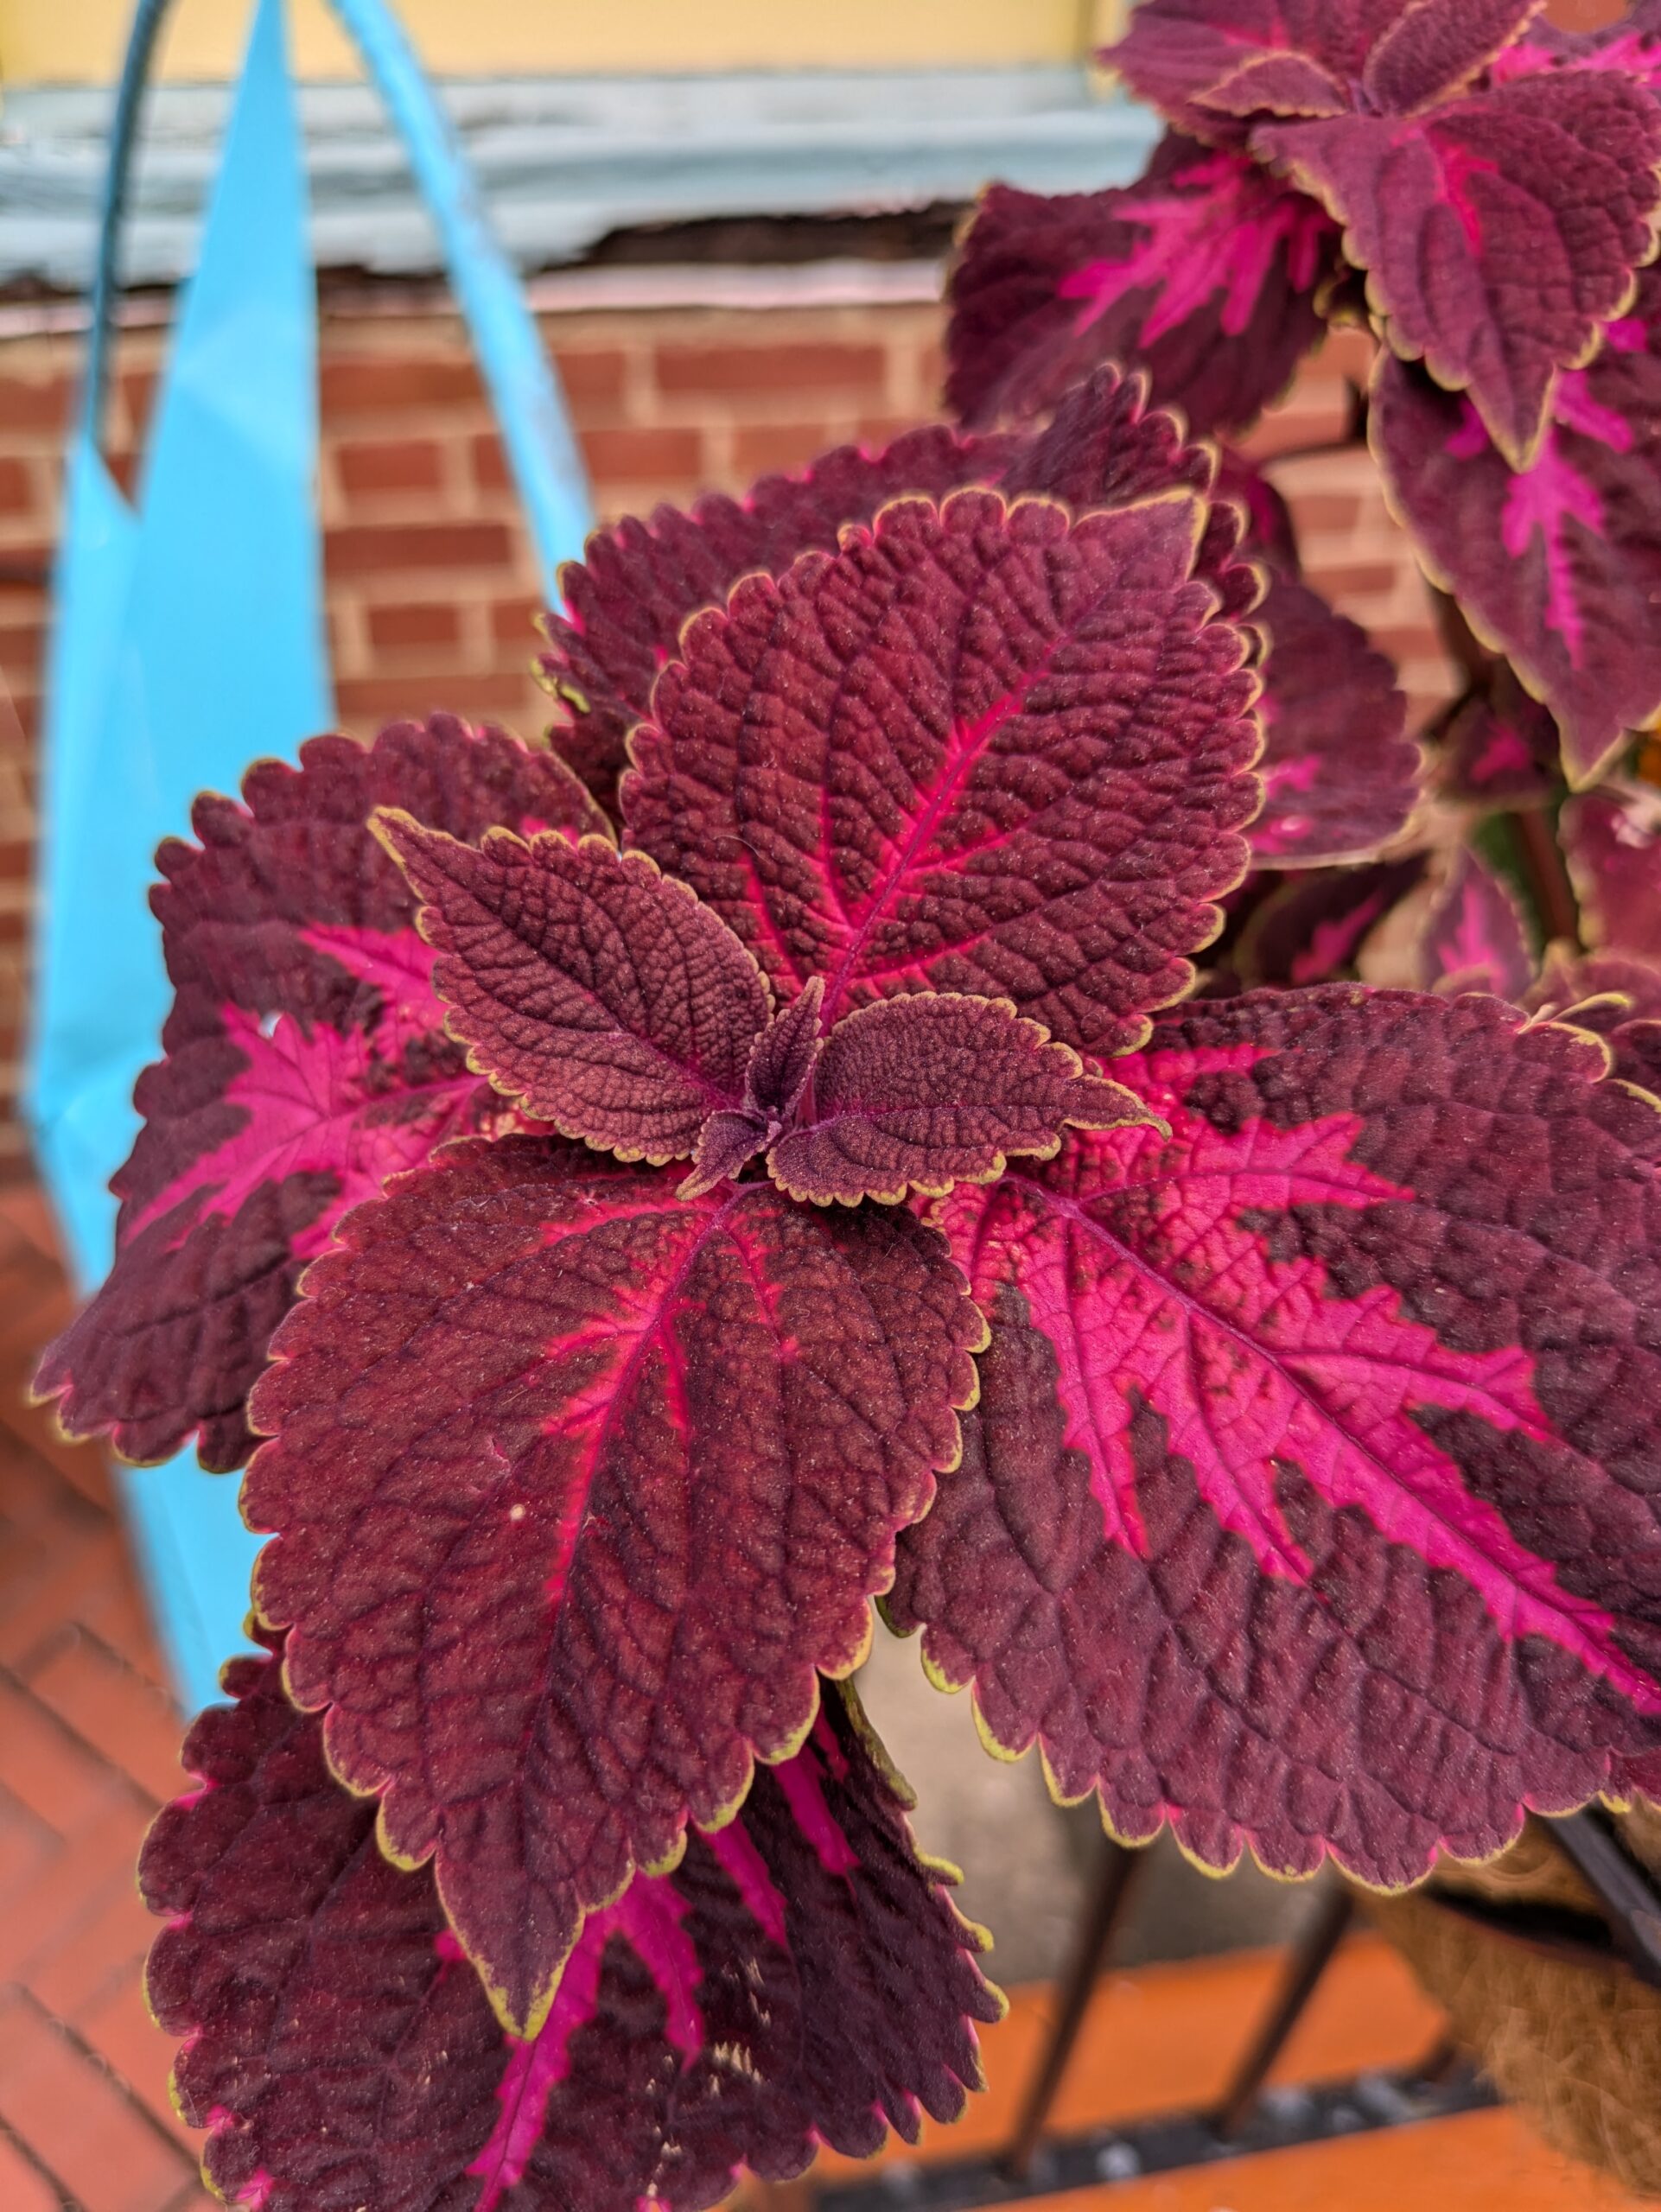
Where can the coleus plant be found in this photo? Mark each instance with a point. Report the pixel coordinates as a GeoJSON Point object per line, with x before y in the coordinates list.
{"type": "Point", "coordinates": [632, 1203]}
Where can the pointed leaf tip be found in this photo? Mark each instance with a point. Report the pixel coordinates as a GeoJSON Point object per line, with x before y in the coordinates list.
{"type": "Point", "coordinates": [575, 1485]}
{"type": "Point", "coordinates": [593, 991]}
{"type": "Point", "coordinates": [800, 1977]}
{"type": "Point", "coordinates": [783, 1060]}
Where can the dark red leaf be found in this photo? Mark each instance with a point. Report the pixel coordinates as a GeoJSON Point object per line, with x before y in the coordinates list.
{"type": "Point", "coordinates": [1501, 755]}
{"type": "Point", "coordinates": [1557, 566]}
{"type": "Point", "coordinates": [305, 1063]}
{"type": "Point", "coordinates": [979, 749]}
{"type": "Point", "coordinates": [1267, 519]}
{"type": "Point", "coordinates": [1203, 274]}
{"type": "Point", "coordinates": [1617, 997]}
{"type": "Point", "coordinates": [593, 992]}
{"type": "Point", "coordinates": [726, 1143]}
{"type": "Point", "coordinates": [627, 599]}
{"type": "Point", "coordinates": [1313, 929]}
{"type": "Point", "coordinates": [577, 1484]}
{"type": "Point", "coordinates": [782, 1061]}
{"type": "Point", "coordinates": [1497, 231]}
{"type": "Point", "coordinates": [1436, 48]}
{"type": "Point", "coordinates": [1341, 775]}
{"type": "Point", "coordinates": [1105, 446]}
{"type": "Point", "coordinates": [1474, 937]}
{"type": "Point", "coordinates": [1291, 55]}
{"type": "Point", "coordinates": [800, 1977]}
{"type": "Point", "coordinates": [1311, 1503]}
{"type": "Point", "coordinates": [916, 1093]}
{"type": "Point", "coordinates": [1612, 842]}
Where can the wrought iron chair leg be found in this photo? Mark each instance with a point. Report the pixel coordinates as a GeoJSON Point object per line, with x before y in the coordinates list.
{"type": "Point", "coordinates": [1309, 1959]}
{"type": "Point", "coordinates": [1106, 1905]}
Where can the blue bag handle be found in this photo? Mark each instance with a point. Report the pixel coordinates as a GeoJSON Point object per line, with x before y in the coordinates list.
{"type": "Point", "coordinates": [217, 575]}
{"type": "Point", "coordinates": [542, 452]}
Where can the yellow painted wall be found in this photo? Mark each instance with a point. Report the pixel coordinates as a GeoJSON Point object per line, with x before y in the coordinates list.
{"type": "Point", "coordinates": [79, 42]}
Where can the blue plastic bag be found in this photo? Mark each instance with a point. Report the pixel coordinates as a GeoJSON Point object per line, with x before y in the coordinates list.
{"type": "Point", "coordinates": [189, 641]}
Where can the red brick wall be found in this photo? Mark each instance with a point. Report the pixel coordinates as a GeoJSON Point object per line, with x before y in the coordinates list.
{"type": "Point", "coordinates": [431, 592]}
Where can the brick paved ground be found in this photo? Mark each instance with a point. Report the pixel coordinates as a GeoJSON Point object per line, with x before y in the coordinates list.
{"type": "Point", "coordinates": [88, 1742]}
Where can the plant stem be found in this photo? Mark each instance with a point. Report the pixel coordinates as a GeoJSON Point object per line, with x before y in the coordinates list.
{"type": "Point", "coordinates": [1548, 878]}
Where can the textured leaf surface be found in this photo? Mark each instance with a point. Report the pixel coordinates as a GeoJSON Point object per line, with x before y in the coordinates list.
{"type": "Point", "coordinates": [1498, 231]}
{"type": "Point", "coordinates": [577, 1484]}
{"type": "Point", "coordinates": [592, 992]}
{"type": "Point", "coordinates": [1612, 840]}
{"type": "Point", "coordinates": [305, 1063]}
{"type": "Point", "coordinates": [1203, 274]}
{"type": "Point", "coordinates": [1311, 1501]}
{"type": "Point", "coordinates": [979, 749]}
{"type": "Point", "coordinates": [1264, 56]}
{"type": "Point", "coordinates": [801, 1977]}
{"type": "Point", "coordinates": [915, 1094]}
{"type": "Point", "coordinates": [1104, 446]}
{"type": "Point", "coordinates": [1617, 996]}
{"type": "Point", "coordinates": [1558, 566]}
{"type": "Point", "coordinates": [625, 602]}
{"type": "Point", "coordinates": [783, 1058]}
{"type": "Point", "coordinates": [1474, 937]}
{"type": "Point", "coordinates": [1341, 775]}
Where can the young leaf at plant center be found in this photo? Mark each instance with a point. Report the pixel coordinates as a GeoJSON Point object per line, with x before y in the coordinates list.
{"type": "Point", "coordinates": [785, 1055]}
{"type": "Point", "coordinates": [782, 1066]}
{"type": "Point", "coordinates": [1312, 929]}
{"type": "Point", "coordinates": [1474, 937]}
{"type": "Point", "coordinates": [1556, 567]}
{"type": "Point", "coordinates": [627, 599]}
{"type": "Point", "coordinates": [916, 1093]}
{"type": "Point", "coordinates": [1203, 273]}
{"type": "Point", "coordinates": [1497, 231]}
{"type": "Point", "coordinates": [981, 749]}
{"type": "Point", "coordinates": [593, 992]}
{"type": "Point", "coordinates": [576, 1484]}
{"type": "Point", "coordinates": [1341, 775]}
{"type": "Point", "coordinates": [800, 1977]}
{"type": "Point", "coordinates": [1612, 840]}
{"type": "Point", "coordinates": [305, 1062]}
{"type": "Point", "coordinates": [1312, 1497]}
{"type": "Point", "coordinates": [1617, 996]}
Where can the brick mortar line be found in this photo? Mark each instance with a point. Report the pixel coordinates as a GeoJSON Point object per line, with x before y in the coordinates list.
{"type": "Point", "coordinates": [15, 1682]}
{"type": "Point", "coordinates": [68, 2202]}
{"type": "Point", "coordinates": [89, 2055]}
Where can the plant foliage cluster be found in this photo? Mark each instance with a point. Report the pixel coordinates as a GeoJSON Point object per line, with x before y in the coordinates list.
{"type": "Point", "coordinates": [634, 1203]}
